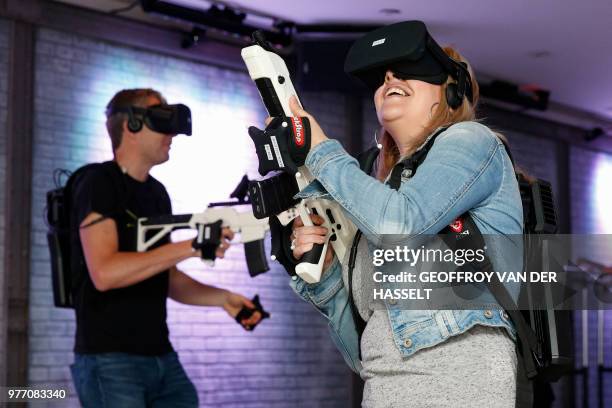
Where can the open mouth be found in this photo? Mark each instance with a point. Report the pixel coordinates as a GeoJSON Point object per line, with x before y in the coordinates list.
{"type": "Point", "coordinates": [396, 91]}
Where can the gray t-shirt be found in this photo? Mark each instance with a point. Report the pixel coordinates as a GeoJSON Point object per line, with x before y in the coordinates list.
{"type": "Point", "coordinates": [476, 368]}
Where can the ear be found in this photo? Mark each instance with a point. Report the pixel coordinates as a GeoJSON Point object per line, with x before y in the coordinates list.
{"type": "Point", "coordinates": [128, 136]}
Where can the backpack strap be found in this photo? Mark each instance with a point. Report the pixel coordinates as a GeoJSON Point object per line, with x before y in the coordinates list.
{"type": "Point", "coordinates": [108, 167]}
{"type": "Point", "coordinates": [73, 181]}
{"type": "Point", "coordinates": [455, 239]}
{"type": "Point", "coordinates": [406, 168]}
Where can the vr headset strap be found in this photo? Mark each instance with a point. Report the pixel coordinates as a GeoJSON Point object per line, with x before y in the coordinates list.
{"type": "Point", "coordinates": [456, 69]}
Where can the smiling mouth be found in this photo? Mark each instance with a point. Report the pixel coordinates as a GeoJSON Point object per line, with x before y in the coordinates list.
{"type": "Point", "coordinates": [395, 91]}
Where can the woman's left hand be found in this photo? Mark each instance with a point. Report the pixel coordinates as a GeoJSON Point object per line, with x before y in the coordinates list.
{"type": "Point", "coordinates": [316, 133]}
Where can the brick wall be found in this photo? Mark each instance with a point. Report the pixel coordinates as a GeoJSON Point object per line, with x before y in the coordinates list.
{"type": "Point", "coordinates": [3, 106]}
{"type": "Point", "coordinates": [537, 156]}
{"type": "Point", "coordinates": [328, 109]}
{"type": "Point", "coordinates": [289, 360]}
{"type": "Point", "coordinates": [591, 193]}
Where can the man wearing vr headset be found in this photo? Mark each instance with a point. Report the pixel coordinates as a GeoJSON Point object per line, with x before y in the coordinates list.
{"type": "Point", "coordinates": [425, 99]}
{"type": "Point", "coordinates": [123, 356]}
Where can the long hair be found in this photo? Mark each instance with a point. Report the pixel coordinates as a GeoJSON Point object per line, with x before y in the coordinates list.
{"type": "Point", "coordinates": [443, 116]}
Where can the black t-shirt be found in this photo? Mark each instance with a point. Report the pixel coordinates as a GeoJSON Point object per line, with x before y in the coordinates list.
{"type": "Point", "coordinates": [130, 319]}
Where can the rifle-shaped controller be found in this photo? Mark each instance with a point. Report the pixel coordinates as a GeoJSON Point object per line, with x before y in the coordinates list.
{"type": "Point", "coordinates": [209, 224]}
{"type": "Point", "coordinates": [269, 72]}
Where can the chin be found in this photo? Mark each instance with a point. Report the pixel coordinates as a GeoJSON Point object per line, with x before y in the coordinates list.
{"type": "Point", "coordinates": [163, 159]}
{"type": "Point", "coordinates": [392, 113]}
{"type": "Point", "coordinates": [391, 120]}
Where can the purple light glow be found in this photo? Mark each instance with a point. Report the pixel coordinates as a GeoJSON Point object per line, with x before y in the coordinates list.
{"type": "Point", "coordinates": [602, 194]}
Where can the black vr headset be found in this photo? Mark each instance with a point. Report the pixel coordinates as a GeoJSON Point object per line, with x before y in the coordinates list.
{"type": "Point", "coordinates": [167, 119]}
{"type": "Point", "coordinates": [408, 51]}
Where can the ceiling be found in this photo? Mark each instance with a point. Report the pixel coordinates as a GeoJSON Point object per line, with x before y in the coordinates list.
{"type": "Point", "coordinates": [564, 46]}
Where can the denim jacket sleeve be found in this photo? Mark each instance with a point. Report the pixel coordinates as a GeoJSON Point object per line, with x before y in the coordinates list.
{"type": "Point", "coordinates": [330, 297]}
{"type": "Point", "coordinates": [460, 171]}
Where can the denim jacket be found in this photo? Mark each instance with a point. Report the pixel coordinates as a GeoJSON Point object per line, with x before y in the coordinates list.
{"type": "Point", "coordinates": [467, 169]}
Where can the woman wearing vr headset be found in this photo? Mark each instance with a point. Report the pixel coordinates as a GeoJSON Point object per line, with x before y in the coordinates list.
{"type": "Point", "coordinates": [425, 100]}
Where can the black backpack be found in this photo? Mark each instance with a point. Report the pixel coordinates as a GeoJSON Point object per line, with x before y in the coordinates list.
{"type": "Point", "coordinates": [58, 213]}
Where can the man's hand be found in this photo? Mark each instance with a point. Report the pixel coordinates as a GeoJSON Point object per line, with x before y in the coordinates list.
{"type": "Point", "coordinates": [205, 243]}
{"type": "Point", "coordinates": [234, 302]}
{"type": "Point", "coordinates": [226, 236]}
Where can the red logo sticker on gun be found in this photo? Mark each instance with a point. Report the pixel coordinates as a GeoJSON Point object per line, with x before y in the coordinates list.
{"type": "Point", "coordinates": [457, 225]}
{"type": "Point", "coordinates": [298, 128]}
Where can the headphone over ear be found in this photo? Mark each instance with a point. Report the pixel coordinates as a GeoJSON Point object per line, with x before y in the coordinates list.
{"type": "Point", "coordinates": [455, 91]}
{"type": "Point", "coordinates": [451, 96]}
{"type": "Point", "coordinates": [134, 124]}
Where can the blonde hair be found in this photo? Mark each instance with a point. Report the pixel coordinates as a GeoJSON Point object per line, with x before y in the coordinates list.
{"type": "Point", "coordinates": [443, 116]}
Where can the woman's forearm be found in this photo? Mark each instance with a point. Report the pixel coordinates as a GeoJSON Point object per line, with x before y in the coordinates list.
{"type": "Point", "coordinates": [445, 186]}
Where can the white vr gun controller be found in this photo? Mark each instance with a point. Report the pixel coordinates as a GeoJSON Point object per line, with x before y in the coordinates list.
{"type": "Point", "coordinates": [269, 72]}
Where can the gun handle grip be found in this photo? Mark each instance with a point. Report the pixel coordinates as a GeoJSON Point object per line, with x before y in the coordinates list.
{"type": "Point", "coordinates": [311, 267]}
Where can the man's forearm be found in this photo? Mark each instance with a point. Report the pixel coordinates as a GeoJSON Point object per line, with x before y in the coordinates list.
{"type": "Point", "coordinates": [185, 289]}
{"type": "Point", "coordinates": [128, 268]}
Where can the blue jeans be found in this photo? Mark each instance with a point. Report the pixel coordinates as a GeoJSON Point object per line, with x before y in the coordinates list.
{"type": "Point", "coordinates": [121, 380]}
